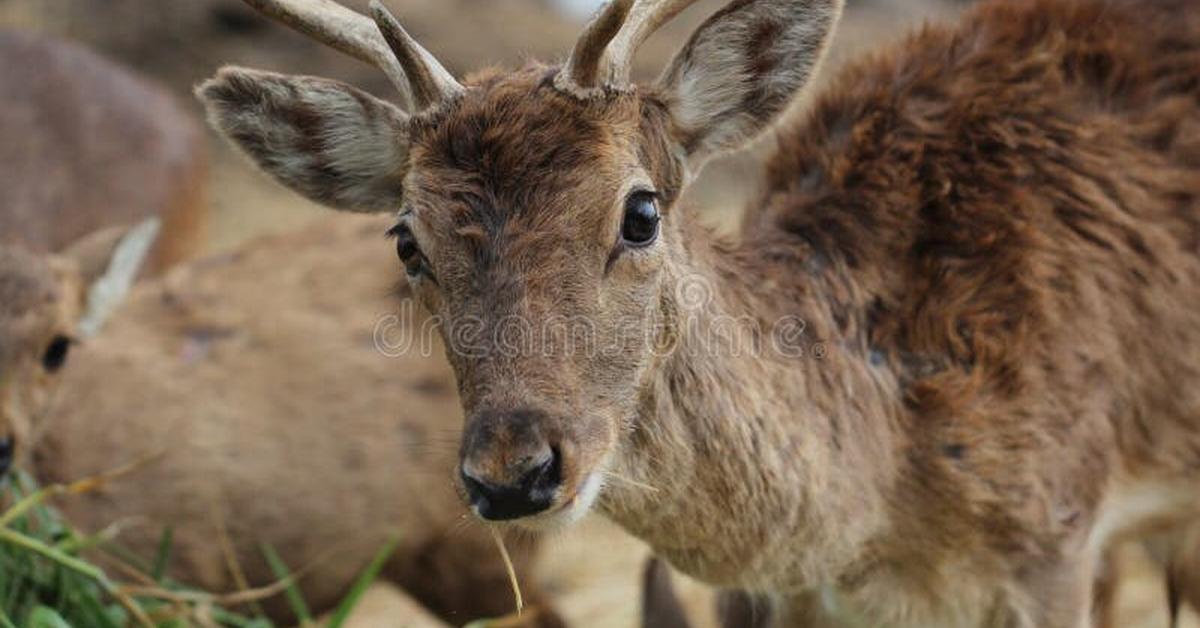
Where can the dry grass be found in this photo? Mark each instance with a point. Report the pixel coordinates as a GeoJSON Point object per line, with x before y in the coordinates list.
{"type": "Point", "coordinates": [47, 579]}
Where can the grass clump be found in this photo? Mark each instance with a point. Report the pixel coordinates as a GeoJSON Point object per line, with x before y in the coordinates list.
{"type": "Point", "coordinates": [47, 582]}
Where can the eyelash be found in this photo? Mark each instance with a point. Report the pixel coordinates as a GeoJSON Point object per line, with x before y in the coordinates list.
{"type": "Point", "coordinates": [415, 262]}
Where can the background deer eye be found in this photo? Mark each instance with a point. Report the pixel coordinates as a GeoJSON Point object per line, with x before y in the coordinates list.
{"type": "Point", "coordinates": [55, 355]}
{"type": "Point", "coordinates": [640, 225]}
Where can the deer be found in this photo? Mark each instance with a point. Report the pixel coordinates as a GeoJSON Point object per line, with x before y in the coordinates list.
{"type": "Point", "coordinates": [87, 350]}
{"type": "Point", "coordinates": [964, 346]}
{"type": "Point", "coordinates": [90, 148]}
{"type": "Point", "coordinates": [48, 302]}
{"type": "Point", "coordinates": [89, 144]}
{"type": "Point", "coordinates": [223, 395]}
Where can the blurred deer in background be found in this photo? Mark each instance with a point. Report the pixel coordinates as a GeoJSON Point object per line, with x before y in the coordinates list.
{"type": "Point", "coordinates": [46, 303]}
{"type": "Point", "coordinates": [279, 421]}
{"type": "Point", "coordinates": [88, 147]}
{"type": "Point", "coordinates": [969, 286]}
{"type": "Point", "coordinates": [87, 144]}
{"type": "Point", "coordinates": [221, 377]}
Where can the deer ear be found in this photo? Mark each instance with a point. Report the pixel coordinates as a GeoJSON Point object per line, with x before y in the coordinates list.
{"type": "Point", "coordinates": [332, 143]}
{"type": "Point", "coordinates": [741, 68]}
{"type": "Point", "coordinates": [107, 263]}
{"type": "Point", "coordinates": [98, 270]}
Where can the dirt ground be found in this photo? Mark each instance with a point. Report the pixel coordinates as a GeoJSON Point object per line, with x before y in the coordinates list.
{"type": "Point", "coordinates": [594, 569]}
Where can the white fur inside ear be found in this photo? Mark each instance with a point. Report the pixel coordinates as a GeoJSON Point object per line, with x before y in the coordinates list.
{"type": "Point", "coordinates": [111, 288]}
{"type": "Point", "coordinates": [742, 68]}
{"type": "Point", "coordinates": [328, 141]}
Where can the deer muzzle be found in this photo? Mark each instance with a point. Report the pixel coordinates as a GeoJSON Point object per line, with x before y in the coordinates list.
{"type": "Point", "coordinates": [511, 463]}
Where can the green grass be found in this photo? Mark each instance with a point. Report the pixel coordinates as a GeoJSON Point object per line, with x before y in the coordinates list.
{"type": "Point", "coordinates": [46, 580]}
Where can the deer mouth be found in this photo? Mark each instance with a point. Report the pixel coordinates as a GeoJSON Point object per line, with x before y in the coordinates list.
{"type": "Point", "coordinates": [571, 509]}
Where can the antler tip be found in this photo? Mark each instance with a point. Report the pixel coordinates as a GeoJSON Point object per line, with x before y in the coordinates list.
{"type": "Point", "coordinates": [430, 82]}
{"type": "Point", "coordinates": [389, 26]}
{"type": "Point", "coordinates": [378, 10]}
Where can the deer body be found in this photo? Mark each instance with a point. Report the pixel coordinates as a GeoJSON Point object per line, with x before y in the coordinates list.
{"type": "Point", "coordinates": [983, 247]}
{"type": "Point", "coordinates": [88, 144]}
{"type": "Point", "coordinates": [990, 237]}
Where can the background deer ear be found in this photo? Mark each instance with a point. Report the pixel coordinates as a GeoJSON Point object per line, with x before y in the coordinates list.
{"type": "Point", "coordinates": [332, 143]}
{"type": "Point", "coordinates": [741, 69]}
{"type": "Point", "coordinates": [105, 264]}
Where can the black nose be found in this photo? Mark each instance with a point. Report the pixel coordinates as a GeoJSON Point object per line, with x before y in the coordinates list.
{"type": "Point", "coordinates": [6, 455]}
{"type": "Point", "coordinates": [532, 492]}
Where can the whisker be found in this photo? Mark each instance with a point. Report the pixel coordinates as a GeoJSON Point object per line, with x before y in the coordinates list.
{"type": "Point", "coordinates": [630, 481]}
{"type": "Point", "coordinates": [460, 527]}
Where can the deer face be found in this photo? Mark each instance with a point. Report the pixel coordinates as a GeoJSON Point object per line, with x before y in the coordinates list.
{"type": "Point", "coordinates": [536, 214]}
{"type": "Point", "coordinates": [36, 327]}
{"type": "Point", "coordinates": [43, 313]}
{"type": "Point", "coordinates": [536, 227]}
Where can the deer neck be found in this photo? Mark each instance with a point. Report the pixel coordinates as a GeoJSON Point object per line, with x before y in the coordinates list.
{"type": "Point", "coordinates": [764, 459]}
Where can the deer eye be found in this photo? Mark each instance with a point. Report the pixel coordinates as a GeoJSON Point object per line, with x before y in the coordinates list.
{"type": "Point", "coordinates": [639, 227]}
{"type": "Point", "coordinates": [409, 253]}
{"type": "Point", "coordinates": [55, 355]}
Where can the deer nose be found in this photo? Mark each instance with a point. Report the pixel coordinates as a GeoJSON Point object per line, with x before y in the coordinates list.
{"type": "Point", "coordinates": [532, 491]}
{"type": "Point", "coordinates": [6, 454]}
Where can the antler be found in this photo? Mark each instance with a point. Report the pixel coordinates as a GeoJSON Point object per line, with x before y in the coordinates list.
{"type": "Point", "coordinates": [604, 53]}
{"type": "Point", "coordinates": [417, 75]}
{"type": "Point", "coordinates": [430, 81]}
{"type": "Point", "coordinates": [644, 19]}
{"type": "Point", "coordinates": [583, 65]}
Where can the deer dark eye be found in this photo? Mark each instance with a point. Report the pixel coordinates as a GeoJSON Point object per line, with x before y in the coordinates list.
{"type": "Point", "coordinates": [409, 253]}
{"type": "Point", "coordinates": [640, 225]}
{"type": "Point", "coordinates": [55, 355]}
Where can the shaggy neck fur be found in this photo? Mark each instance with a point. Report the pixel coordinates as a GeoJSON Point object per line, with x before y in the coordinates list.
{"type": "Point", "coordinates": [972, 273]}
{"type": "Point", "coordinates": [779, 440]}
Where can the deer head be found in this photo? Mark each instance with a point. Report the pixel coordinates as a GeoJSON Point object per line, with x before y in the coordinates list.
{"type": "Point", "coordinates": [537, 209]}
{"type": "Point", "coordinates": [47, 303]}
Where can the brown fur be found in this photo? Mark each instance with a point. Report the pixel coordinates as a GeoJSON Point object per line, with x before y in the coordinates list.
{"type": "Point", "coordinates": [991, 235]}
{"type": "Point", "coordinates": [275, 411]}
{"type": "Point", "coordinates": [89, 144]}
{"type": "Point", "coordinates": [40, 300]}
